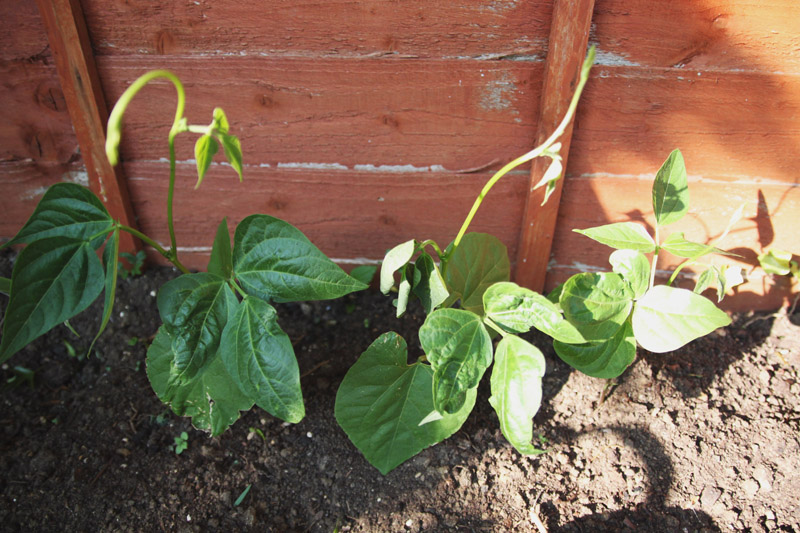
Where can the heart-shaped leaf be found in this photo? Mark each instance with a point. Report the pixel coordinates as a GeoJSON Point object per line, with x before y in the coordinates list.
{"type": "Point", "coordinates": [460, 350]}
{"type": "Point", "coordinates": [671, 190]}
{"type": "Point", "coordinates": [233, 152]}
{"type": "Point", "coordinates": [666, 318]}
{"type": "Point", "coordinates": [221, 260]}
{"type": "Point", "coordinates": [634, 268]}
{"type": "Point", "coordinates": [622, 236]}
{"type": "Point", "coordinates": [204, 150]}
{"type": "Point", "coordinates": [274, 261]}
{"type": "Point", "coordinates": [479, 261]}
{"type": "Point", "coordinates": [601, 359]}
{"type": "Point", "coordinates": [517, 390]}
{"type": "Point", "coordinates": [260, 358]}
{"type": "Point", "coordinates": [53, 280]}
{"type": "Point", "coordinates": [596, 304]}
{"type": "Point", "coordinates": [382, 401]}
{"type": "Point", "coordinates": [211, 397]}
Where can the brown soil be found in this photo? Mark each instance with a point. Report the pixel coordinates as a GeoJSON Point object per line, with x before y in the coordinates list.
{"type": "Point", "coordinates": [702, 439]}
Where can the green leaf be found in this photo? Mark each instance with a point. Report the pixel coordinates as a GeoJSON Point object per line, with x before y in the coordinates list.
{"type": "Point", "coordinates": [671, 190]}
{"type": "Point", "coordinates": [555, 294]}
{"type": "Point", "coordinates": [5, 285]}
{"type": "Point", "coordinates": [596, 304]}
{"type": "Point", "coordinates": [221, 260]}
{"type": "Point", "coordinates": [382, 401]}
{"type": "Point", "coordinates": [195, 309]}
{"type": "Point", "coordinates": [676, 244]}
{"type": "Point", "coordinates": [66, 210]}
{"type": "Point", "coordinates": [274, 260]}
{"type": "Point", "coordinates": [622, 236]}
{"type": "Point", "coordinates": [404, 289]}
{"type": "Point", "coordinates": [723, 279]}
{"type": "Point", "coordinates": [260, 358]}
{"type": "Point", "coordinates": [233, 152]}
{"type": "Point", "coordinates": [517, 390]}
{"type": "Point", "coordinates": [111, 261]}
{"type": "Point", "coordinates": [601, 359]}
{"type": "Point", "coordinates": [364, 273]}
{"type": "Point", "coordinates": [204, 150]}
{"type": "Point", "coordinates": [394, 260]}
{"type": "Point", "coordinates": [479, 261]}
{"type": "Point", "coordinates": [53, 280]}
{"type": "Point", "coordinates": [517, 309]}
{"type": "Point", "coordinates": [220, 122]}
{"type": "Point", "coordinates": [551, 177]}
{"type": "Point", "coordinates": [459, 350]}
{"type": "Point", "coordinates": [430, 289]}
{"type": "Point", "coordinates": [634, 268]}
{"type": "Point", "coordinates": [666, 318]}
{"type": "Point", "coordinates": [776, 262]}
{"type": "Point", "coordinates": [211, 398]}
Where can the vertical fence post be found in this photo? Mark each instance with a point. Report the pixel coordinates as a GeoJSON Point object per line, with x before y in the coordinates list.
{"type": "Point", "coordinates": [569, 37]}
{"type": "Point", "coordinates": [77, 72]}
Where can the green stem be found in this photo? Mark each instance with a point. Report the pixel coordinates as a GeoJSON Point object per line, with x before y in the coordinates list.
{"type": "Point", "coordinates": [678, 269]}
{"type": "Point", "coordinates": [536, 152]}
{"type": "Point", "coordinates": [655, 261]}
{"type": "Point", "coordinates": [168, 254]}
{"type": "Point", "coordinates": [238, 289]}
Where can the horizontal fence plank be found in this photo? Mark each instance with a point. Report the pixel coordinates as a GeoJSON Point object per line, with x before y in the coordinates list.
{"type": "Point", "coordinates": [36, 125]}
{"type": "Point", "coordinates": [351, 216]}
{"type": "Point", "coordinates": [354, 112]}
{"type": "Point", "coordinates": [736, 125]}
{"type": "Point", "coordinates": [421, 28]}
{"type": "Point", "coordinates": [759, 36]}
{"type": "Point", "coordinates": [770, 220]}
{"type": "Point", "coordinates": [22, 34]}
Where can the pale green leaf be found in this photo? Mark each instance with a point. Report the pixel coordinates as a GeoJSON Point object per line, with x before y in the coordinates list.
{"type": "Point", "coordinates": [622, 236]}
{"type": "Point", "coordinates": [517, 309]}
{"type": "Point", "coordinates": [634, 268]}
{"type": "Point", "coordinates": [211, 398]}
{"type": "Point", "coordinates": [677, 245]}
{"type": "Point", "coordinates": [596, 304]}
{"type": "Point", "coordinates": [204, 150]}
{"type": "Point", "coordinates": [382, 401]}
{"type": "Point", "coordinates": [404, 289]}
{"type": "Point", "coordinates": [479, 261]}
{"type": "Point", "coordinates": [671, 190]}
{"type": "Point", "coordinates": [259, 357]}
{"type": "Point", "coordinates": [776, 262]}
{"type": "Point", "coordinates": [395, 259]}
{"type": "Point", "coordinates": [706, 279]}
{"type": "Point", "coordinates": [274, 261]}
{"type": "Point", "coordinates": [517, 390]}
{"type": "Point", "coordinates": [220, 120]}
{"type": "Point", "coordinates": [459, 349]}
{"type": "Point", "coordinates": [233, 152]}
{"type": "Point", "coordinates": [666, 318]}
{"type": "Point", "coordinates": [601, 359]}
{"type": "Point", "coordinates": [221, 260]}
{"type": "Point", "coordinates": [53, 280]}
{"type": "Point", "coordinates": [430, 289]}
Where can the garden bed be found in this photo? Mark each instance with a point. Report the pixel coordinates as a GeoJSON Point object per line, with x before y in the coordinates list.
{"type": "Point", "coordinates": [701, 439]}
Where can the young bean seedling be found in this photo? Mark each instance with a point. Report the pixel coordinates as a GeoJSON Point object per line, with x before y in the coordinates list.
{"type": "Point", "coordinates": [392, 410]}
{"type": "Point", "coordinates": [220, 349]}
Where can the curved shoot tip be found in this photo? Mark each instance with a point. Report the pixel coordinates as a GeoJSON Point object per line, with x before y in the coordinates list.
{"type": "Point", "coordinates": [112, 145]}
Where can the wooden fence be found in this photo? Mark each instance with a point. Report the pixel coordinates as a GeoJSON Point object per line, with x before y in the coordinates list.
{"type": "Point", "coordinates": [370, 122]}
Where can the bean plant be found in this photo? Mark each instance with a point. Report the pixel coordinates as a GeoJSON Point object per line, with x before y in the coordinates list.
{"type": "Point", "coordinates": [220, 349]}
{"type": "Point", "coordinates": [391, 410]}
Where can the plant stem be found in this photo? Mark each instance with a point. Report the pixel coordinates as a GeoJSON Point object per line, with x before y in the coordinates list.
{"type": "Point", "coordinates": [536, 152]}
{"type": "Point", "coordinates": [168, 254]}
{"type": "Point", "coordinates": [655, 260]}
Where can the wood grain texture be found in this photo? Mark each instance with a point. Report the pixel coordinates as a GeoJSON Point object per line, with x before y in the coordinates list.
{"type": "Point", "coordinates": [770, 220]}
{"type": "Point", "coordinates": [418, 28]}
{"type": "Point", "coordinates": [69, 41]}
{"type": "Point", "coordinates": [454, 114]}
{"type": "Point", "coordinates": [22, 35]}
{"type": "Point", "coordinates": [352, 216]}
{"type": "Point", "coordinates": [569, 34]}
{"type": "Point", "coordinates": [736, 35]}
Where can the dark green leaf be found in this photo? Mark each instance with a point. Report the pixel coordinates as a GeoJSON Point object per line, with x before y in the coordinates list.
{"type": "Point", "coordinates": [274, 260]}
{"type": "Point", "coordinates": [221, 260]}
{"type": "Point", "coordinates": [195, 309]}
{"type": "Point", "coordinates": [204, 150]}
{"type": "Point", "coordinates": [676, 244]}
{"type": "Point", "coordinates": [111, 261]}
{"type": "Point", "coordinates": [601, 359]}
{"type": "Point", "coordinates": [517, 390]}
{"type": "Point", "coordinates": [596, 304]}
{"type": "Point", "coordinates": [233, 152]}
{"type": "Point", "coordinates": [622, 236]}
{"type": "Point", "coordinates": [395, 259]}
{"type": "Point", "coordinates": [260, 358]}
{"type": "Point", "coordinates": [5, 285]}
{"type": "Point", "coordinates": [66, 210]}
{"type": "Point", "coordinates": [459, 350]}
{"type": "Point", "coordinates": [53, 280]}
{"type": "Point", "coordinates": [382, 401]}
{"type": "Point", "coordinates": [364, 273]}
{"type": "Point", "coordinates": [671, 190]}
{"type": "Point", "coordinates": [517, 309]}
{"type": "Point", "coordinates": [479, 261]}
{"type": "Point", "coordinates": [211, 398]}
{"type": "Point", "coordinates": [634, 268]}
{"type": "Point", "coordinates": [666, 318]}
{"type": "Point", "coordinates": [555, 295]}
{"type": "Point", "coordinates": [430, 289]}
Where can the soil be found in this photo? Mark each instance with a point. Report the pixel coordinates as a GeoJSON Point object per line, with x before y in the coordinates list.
{"type": "Point", "coordinates": [701, 439]}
